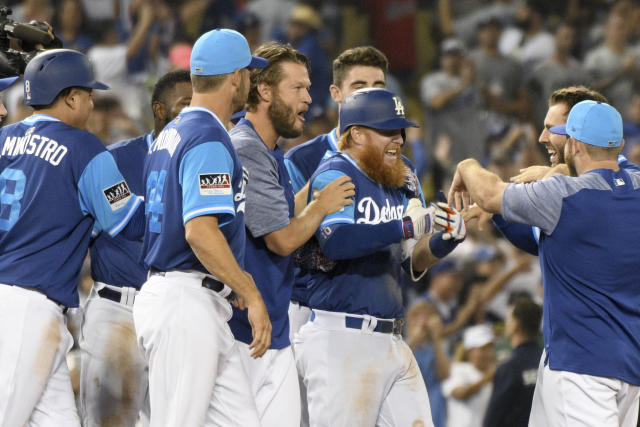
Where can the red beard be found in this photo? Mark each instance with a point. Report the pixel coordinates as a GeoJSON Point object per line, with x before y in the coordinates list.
{"type": "Point", "coordinates": [371, 161]}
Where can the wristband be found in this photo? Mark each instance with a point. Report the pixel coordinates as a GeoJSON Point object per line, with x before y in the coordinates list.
{"type": "Point", "coordinates": [441, 248]}
{"type": "Point", "coordinates": [407, 228]}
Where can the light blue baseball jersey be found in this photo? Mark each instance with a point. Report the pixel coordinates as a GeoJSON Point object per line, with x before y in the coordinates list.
{"type": "Point", "coordinates": [370, 283]}
{"type": "Point", "coordinates": [57, 183]}
{"type": "Point", "coordinates": [192, 170]}
{"type": "Point", "coordinates": [116, 260]}
{"type": "Point", "coordinates": [589, 254]}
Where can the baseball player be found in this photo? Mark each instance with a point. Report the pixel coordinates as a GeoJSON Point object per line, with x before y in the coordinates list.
{"type": "Point", "coordinates": [113, 379]}
{"type": "Point", "coordinates": [278, 99]}
{"type": "Point", "coordinates": [57, 183]}
{"type": "Point", "coordinates": [356, 368]}
{"type": "Point", "coordinates": [588, 252]}
{"type": "Point", "coordinates": [194, 245]}
{"type": "Point", "coordinates": [353, 69]}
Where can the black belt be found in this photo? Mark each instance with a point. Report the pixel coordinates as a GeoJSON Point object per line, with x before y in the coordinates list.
{"type": "Point", "coordinates": [208, 282]}
{"type": "Point", "coordinates": [110, 294]}
{"type": "Point", "coordinates": [385, 326]}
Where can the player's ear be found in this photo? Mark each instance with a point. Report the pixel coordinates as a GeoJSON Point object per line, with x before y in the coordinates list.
{"type": "Point", "coordinates": [336, 93]}
{"type": "Point", "coordinates": [356, 134]}
{"type": "Point", "coordinates": [265, 91]}
{"type": "Point", "coordinates": [159, 110]}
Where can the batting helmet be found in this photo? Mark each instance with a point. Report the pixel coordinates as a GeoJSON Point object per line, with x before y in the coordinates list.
{"type": "Point", "coordinates": [54, 70]}
{"type": "Point", "coordinates": [374, 108]}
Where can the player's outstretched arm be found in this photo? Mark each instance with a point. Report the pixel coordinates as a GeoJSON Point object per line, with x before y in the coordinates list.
{"type": "Point", "coordinates": [473, 181]}
{"type": "Point", "coordinates": [336, 195]}
{"type": "Point", "coordinates": [211, 247]}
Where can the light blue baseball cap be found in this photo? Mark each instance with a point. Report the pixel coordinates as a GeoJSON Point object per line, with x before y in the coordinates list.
{"type": "Point", "coordinates": [222, 51]}
{"type": "Point", "coordinates": [594, 123]}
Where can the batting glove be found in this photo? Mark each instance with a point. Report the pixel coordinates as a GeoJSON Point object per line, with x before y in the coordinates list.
{"type": "Point", "coordinates": [451, 222]}
{"type": "Point", "coordinates": [418, 220]}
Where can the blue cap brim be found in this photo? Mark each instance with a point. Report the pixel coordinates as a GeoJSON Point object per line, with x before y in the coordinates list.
{"type": "Point", "coordinates": [98, 85]}
{"type": "Point", "coordinates": [398, 123]}
{"type": "Point", "coordinates": [7, 81]}
{"type": "Point", "coordinates": [559, 130]}
{"type": "Point", "coordinates": [257, 62]}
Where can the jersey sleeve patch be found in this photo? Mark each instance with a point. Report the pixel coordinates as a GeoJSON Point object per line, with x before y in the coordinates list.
{"type": "Point", "coordinates": [117, 195]}
{"type": "Point", "coordinates": [214, 184]}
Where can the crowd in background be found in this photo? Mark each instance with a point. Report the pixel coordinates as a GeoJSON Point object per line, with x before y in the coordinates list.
{"type": "Point", "coordinates": [476, 74]}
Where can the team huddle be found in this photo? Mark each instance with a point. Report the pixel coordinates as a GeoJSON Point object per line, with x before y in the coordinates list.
{"type": "Point", "coordinates": [239, 285]}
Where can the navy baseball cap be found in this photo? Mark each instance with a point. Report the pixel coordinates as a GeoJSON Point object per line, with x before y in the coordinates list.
{"type": "Point", "coordinates": [7, 81]}
{"type": "Point", "coordinates": [222, 51]}
{"type": "Point", "coordinates": [594, 123]}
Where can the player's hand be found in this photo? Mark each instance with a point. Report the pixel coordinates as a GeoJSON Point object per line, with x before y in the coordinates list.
{"type": "Point", "coordinates": [336, 195]}
{"type": "Point", "coordinates": [260, 326]}
{"type": "Point", "coordinates": [451, 221]}
{"type": "Point", "coordinates": [475, 212]}
{"type": "Point", "coordinates": [434, 324]}
{"type": "Point", "coordinates": [418, 220]}
{"type": "Point", "coordinates": [530, 174]}
{"type": "Point", "coordinates": [458, 196]}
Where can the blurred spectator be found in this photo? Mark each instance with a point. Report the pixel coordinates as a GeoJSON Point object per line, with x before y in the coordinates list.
{"type": "Point", "coordinates": [424, 330]}
{"type": "Point", "coordinates": [108, 122]}
{"type": "Point", "coordinates": [468, 387]}
{"type": "Point", "coordinates": [632, 126]}
{"type": "Point", "coordinates": [179, 56]}
{"type": "Point", "coordinates": [452, 104]}
{"type": "Point", "coordinates": [249, 24]}
{"type": "Point", "coordinates": [200, 16]}
{"type": "Point", "coordinates": [515, 379]}
{"type": "Point", "coordinates": [500, 80]}
{"type": "Point", "coordinates": [38, 10]}
{"type": "Point", "coordinates": [100, 10]}
{"type": "Point", "coordinates": [561, 70]}
{"type": "Point", "coordinates": [273, 15]}
{"type": "Point", "coordinates": [503, 10]}
{"type": "Point", "coordinates": [71, 25]}
{"type": "Point", "coordinates": [527, 40]}
{"type": "Point", "coordinates": [302, 32]}
{"type": "Point", "coordinates": [111, 59]}
{"type": "Point", "coordinates": [614, 64]}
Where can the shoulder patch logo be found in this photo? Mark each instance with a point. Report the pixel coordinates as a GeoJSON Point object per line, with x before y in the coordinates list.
{"type": "Point", "coordinates": [214, 184]}
{"type": "Point", "coordinates": [117, 195]}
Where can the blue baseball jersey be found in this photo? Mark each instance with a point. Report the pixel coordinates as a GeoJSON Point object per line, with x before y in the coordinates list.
{"type": "Point", "coordinates": [57, 183]}
{"type": "Point", "coordinates": [369, 284]}
{"type": "Point", "coordinates": [589, 254]}
{"type": "Point", "coordinates": [301, 162]}
{"type": "Point", "coordinates": [526, 237]}
{"type": "Point", "coordinates": [191, 170]}
{"type": "Point", "coordinates": [116, 260]}
{"type": "Point", "coordinates": [270, 204]}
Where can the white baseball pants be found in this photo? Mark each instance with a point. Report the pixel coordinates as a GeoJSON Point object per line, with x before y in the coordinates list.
{"type": "Point", "coordinates": [35, 387]}
{"type": "Point", "coordinates": [357, 377]}
{"type": "Point", "coordinates": [567, 399]}
{"type": "Point", "coordinates": [113, 373]}
{"type": "Point", "coordinates": [196, 377]}
{"type": "Point", "coordinates": [274, 382]}
{"type": "Point", "coordinates": [298, 316]}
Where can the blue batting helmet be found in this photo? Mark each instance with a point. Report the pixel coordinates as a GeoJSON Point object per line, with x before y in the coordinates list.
{"type": "Point", "coordinates": [54, 70]}
{"type": "Point", "coordinates": [373, 108]}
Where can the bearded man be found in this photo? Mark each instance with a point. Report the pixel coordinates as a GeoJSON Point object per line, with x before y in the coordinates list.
{"type": "Point", "coordinates": [351, 357]}
{"type": "Point", "coordinates": [278, 99]}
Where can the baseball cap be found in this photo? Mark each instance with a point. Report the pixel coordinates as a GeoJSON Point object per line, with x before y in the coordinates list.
{"type": "Point", "coordinates": [594, 123]}
{"type": "Point", "coordinates": [222, 51]}
{"type": "Point", "coordinates": [7, 81]}
{"type": "Point", "coordinates": [477, 336]}
{"type": "Point", "coordinates": [452, 46]}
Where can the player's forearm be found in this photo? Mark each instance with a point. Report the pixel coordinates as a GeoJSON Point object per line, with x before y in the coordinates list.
{"type": "Point", "coordinates": [422, 257]}
{"type": "Point", "coordinates": [484, 187]}
{"type": "Point", "coordinates": [212, 250]}
{"type": "Point", "coordinates": [442, 362]}
{"type": "Point", "coordinates": [346, 241]}
{"type": "Point", "coordinates": [301, 199]}
{"type": "Point", "coordinates": [299, 231]}
{"type": "Point", "coordinates": [520, 235]}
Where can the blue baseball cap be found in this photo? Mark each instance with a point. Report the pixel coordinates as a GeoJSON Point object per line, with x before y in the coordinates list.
{"type": "Point", "coordinates": [7, 81]}
{"type": "Point", "coordinates": [222, 51]}
{"type": "Point", "coordinates": [594, 123]}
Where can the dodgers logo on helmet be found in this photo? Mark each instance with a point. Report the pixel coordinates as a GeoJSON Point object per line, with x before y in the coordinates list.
{"type": "Point", "coordinates": [375, 108]}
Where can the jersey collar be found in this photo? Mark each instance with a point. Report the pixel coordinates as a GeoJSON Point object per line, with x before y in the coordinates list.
{"type": "Point", "coordinates": [149, 138]}
{"type": "Point", "coordinates": [39, 118]}
{"type": "Point", "coordinates": [333, 139]}
{"type": "Point", "coordinates": [204, 110]}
